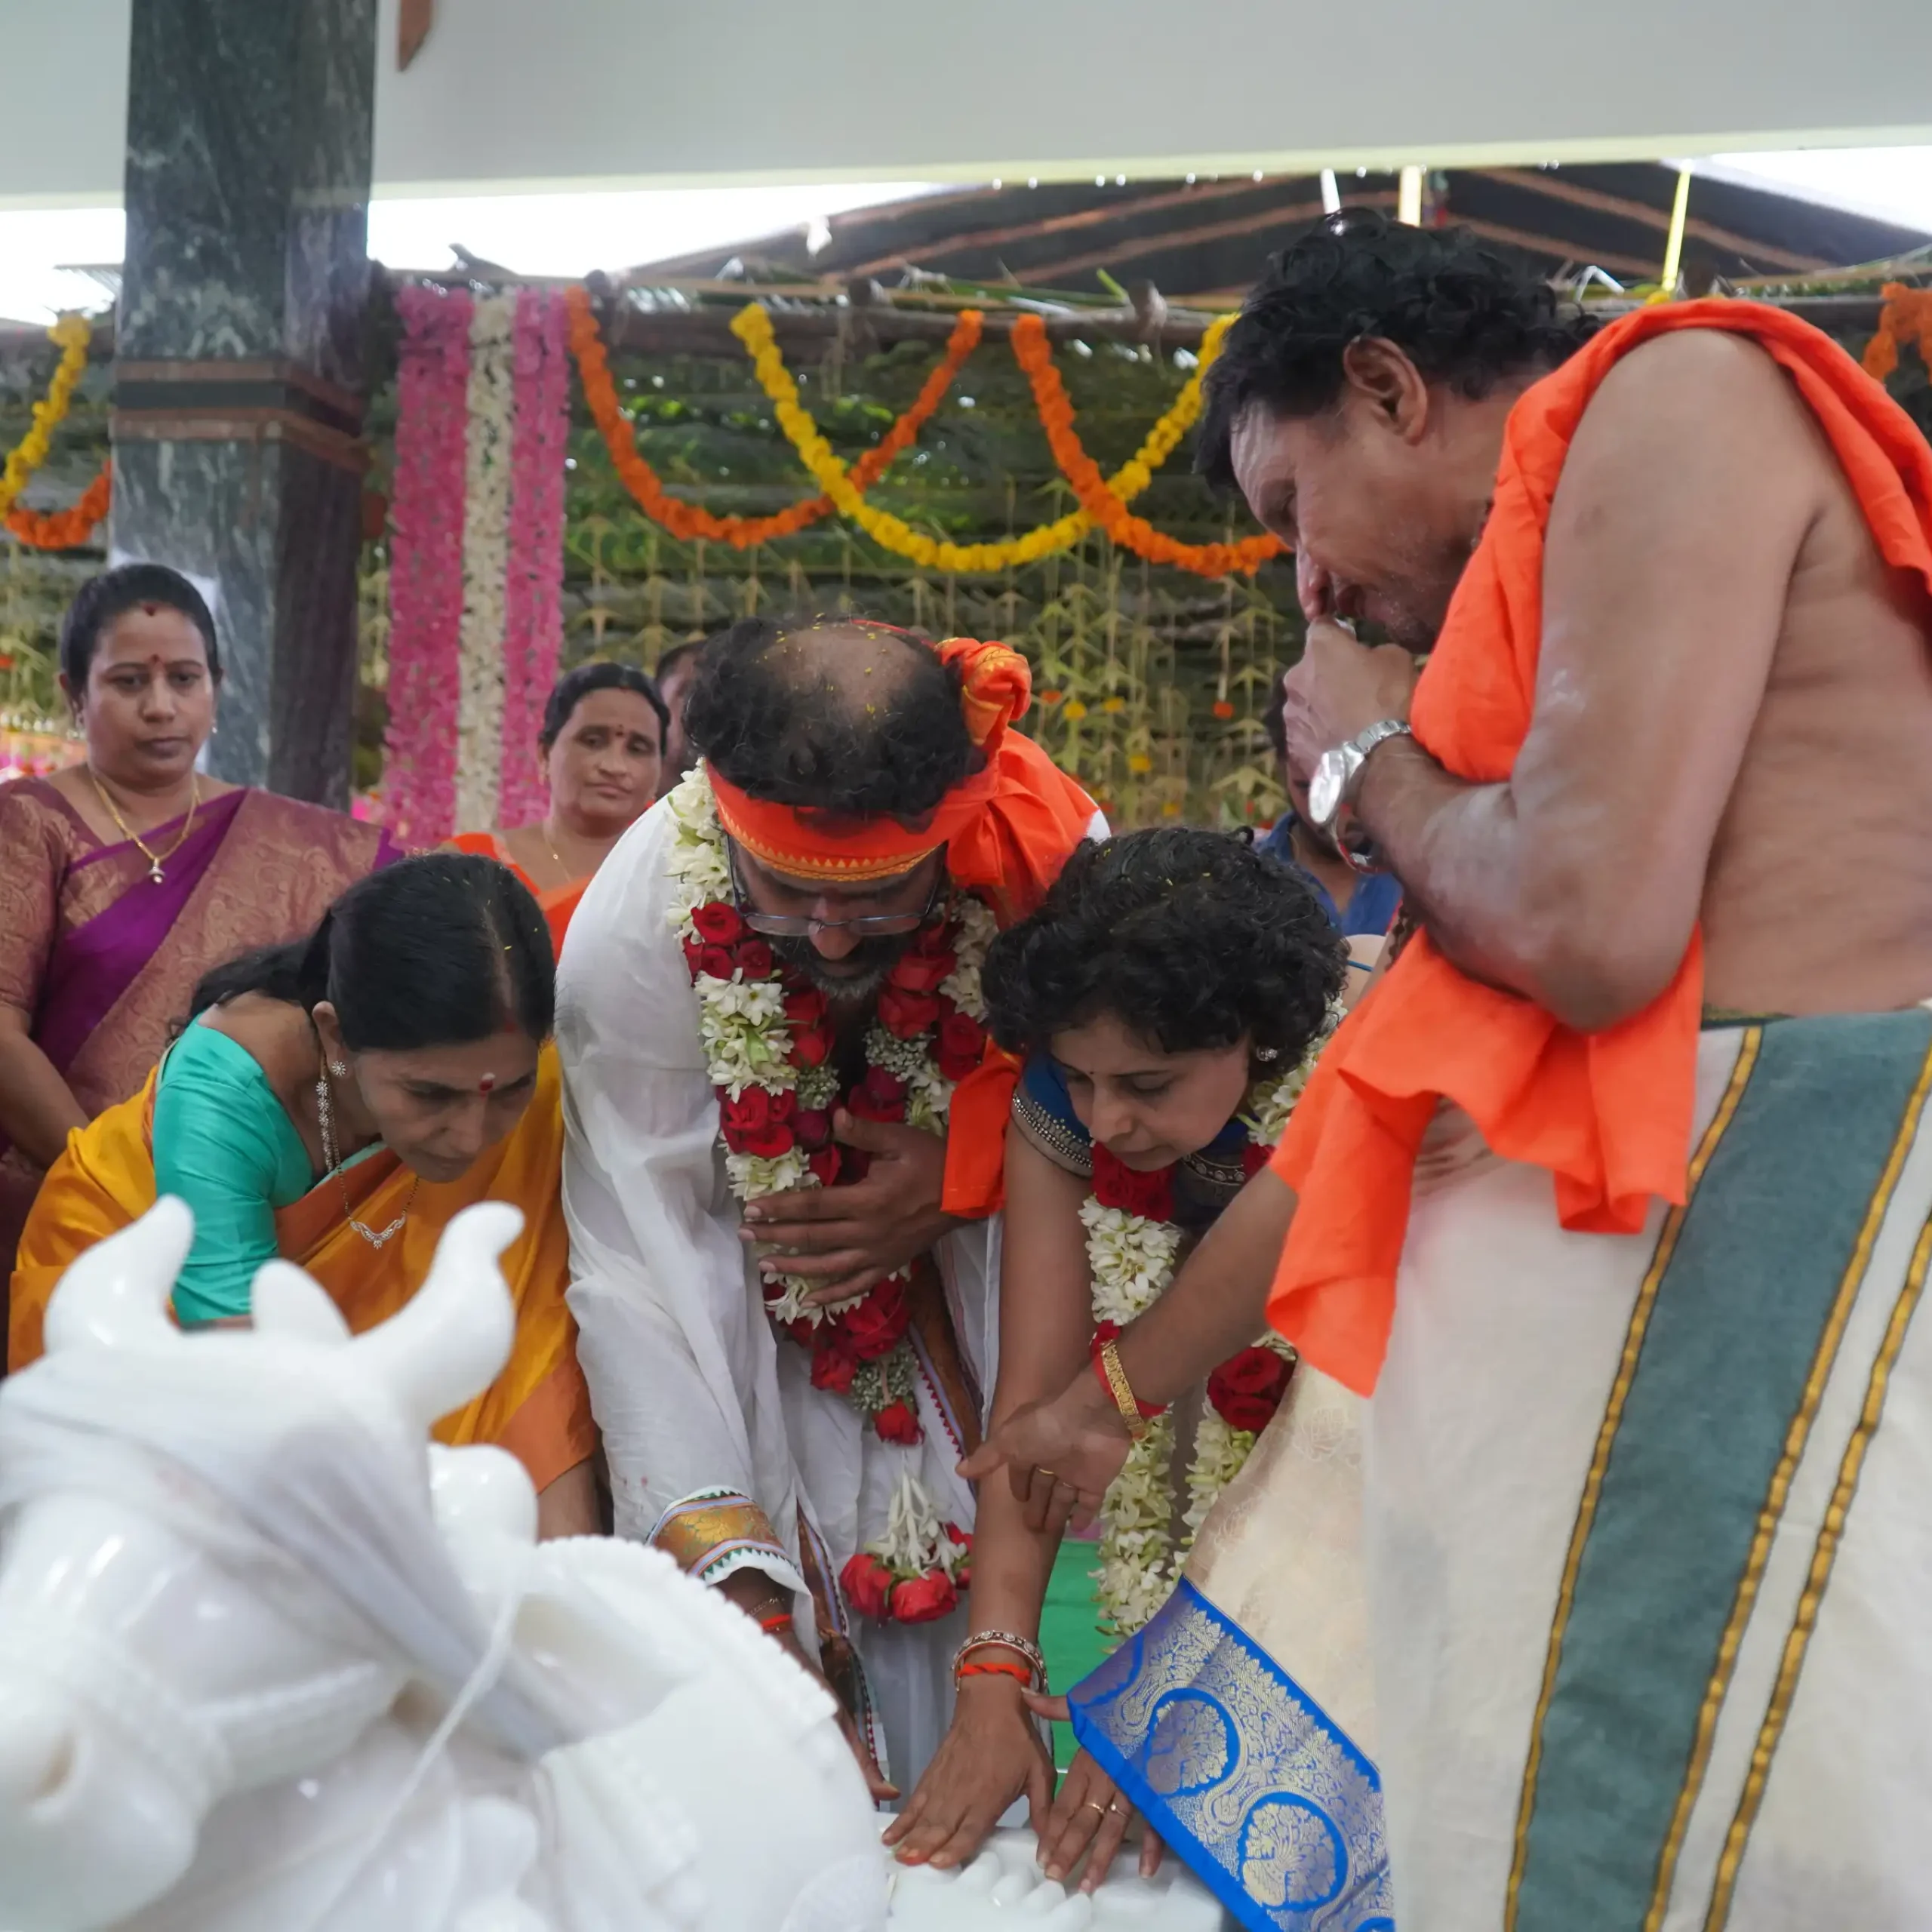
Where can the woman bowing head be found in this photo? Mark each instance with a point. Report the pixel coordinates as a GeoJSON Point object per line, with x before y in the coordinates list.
{"type": "Point", "coordinates": [336, 1102]}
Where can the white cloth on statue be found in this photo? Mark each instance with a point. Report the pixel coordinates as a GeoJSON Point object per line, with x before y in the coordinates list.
{"type": "Point", "coordinates": [691, 1388]}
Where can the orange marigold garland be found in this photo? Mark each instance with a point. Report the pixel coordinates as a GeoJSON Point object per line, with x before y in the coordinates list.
{"type": "Point", "coordinates": [1907, 317]}
{"type": "Point", "coordinates": [1034, 354]}
{"type": "Point", "coordinates": [68, 529]}
{"type": "Point", "coordinates": [688, 521]}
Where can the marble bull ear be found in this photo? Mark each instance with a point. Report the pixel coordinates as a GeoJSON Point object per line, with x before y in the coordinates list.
{"type": "Point", "coordinates": [450, 1340]}
{"type": "Point", "coordinates": [117, 1292]}
{"type": "Point", "coordinates": [286, 1300]}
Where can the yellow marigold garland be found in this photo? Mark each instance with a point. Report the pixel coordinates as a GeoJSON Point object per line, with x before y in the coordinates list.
{"type": "Point", "coordinates": [73, 333]}
{"type": "Point", "coordinates": [752, 327]}
{"type": "Point", "coordinates": [687, 521]}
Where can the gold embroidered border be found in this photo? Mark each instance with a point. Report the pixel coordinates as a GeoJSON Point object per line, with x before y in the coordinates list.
{"type": "Point", "coordinates": [1772, 1510]}
{"type": "Point", "coordinates": [695, 1534]}
{"type": "Point", "coordinates": [1823, 1555]}
{"type": "Point", "coordinates": [1633, 1344]}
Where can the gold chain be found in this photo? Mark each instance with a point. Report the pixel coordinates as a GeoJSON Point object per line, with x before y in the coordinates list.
{"type": "Point", "coordinates": [325, 1123]}
{"type": "Point", "coordinates": [155, 859]}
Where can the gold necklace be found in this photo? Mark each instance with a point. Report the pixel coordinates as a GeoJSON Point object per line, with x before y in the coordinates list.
{"type": "Point", "coordinates": [543, 832]}
{"type": "Point", "coordinates": [140, 844]}
{"type": "Point", "coordinates": [324, 1121]}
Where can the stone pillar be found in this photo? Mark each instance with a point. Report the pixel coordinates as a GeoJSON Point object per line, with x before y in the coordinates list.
{"type": "Point", "coordinates": [239, 355]}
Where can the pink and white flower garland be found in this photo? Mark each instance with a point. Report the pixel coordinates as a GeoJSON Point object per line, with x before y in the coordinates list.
{"type": "Point", "coordinates": [476, 563]}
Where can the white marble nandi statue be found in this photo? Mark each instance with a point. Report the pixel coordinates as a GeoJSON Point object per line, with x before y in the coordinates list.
{"type": "Point", "coordinates": [264, 1664]}
{"type": "Point", "coordinates": [267, 1665]}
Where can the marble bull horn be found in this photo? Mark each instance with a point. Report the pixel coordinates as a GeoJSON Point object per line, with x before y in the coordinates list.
{"type": "Point", "coordinates": [450, 1340]}
{"type": "Point", "coordinates": [117, 1291]}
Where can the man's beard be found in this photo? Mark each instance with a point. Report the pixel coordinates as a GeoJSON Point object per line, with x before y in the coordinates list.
{"type": "Point", "coordinates": [865, 967]}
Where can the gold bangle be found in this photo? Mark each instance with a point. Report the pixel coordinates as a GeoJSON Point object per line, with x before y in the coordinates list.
{"type": "Point", "coordinates": [1122, 1391]}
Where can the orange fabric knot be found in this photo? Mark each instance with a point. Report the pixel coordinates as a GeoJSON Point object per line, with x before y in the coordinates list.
{"type": "Point", "coordinates": [997, 686]}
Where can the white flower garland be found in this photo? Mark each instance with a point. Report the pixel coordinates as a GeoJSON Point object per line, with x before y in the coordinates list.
{"type": "Point", "coordinates": [489, 468]}
{"type": "Point", "coordinates": [1131, 1259]}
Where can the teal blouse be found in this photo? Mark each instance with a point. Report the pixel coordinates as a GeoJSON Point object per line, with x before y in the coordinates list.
{"type": "Point", "coordinates": [223, 1143]}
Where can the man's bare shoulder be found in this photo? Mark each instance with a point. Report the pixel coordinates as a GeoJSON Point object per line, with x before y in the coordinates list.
{"type": "Point", "coordinates": [1693, 379]}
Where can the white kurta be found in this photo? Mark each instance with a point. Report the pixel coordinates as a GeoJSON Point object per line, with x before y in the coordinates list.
{"type": "Point", "coordinates": [691, 1387]}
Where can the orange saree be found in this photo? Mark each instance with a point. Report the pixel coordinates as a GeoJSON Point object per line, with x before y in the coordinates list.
{"type": "Point", "coordinates": [1608, 1115]}
{"type": "Point", "coordinates": [556, 903]}
{"type": "Point", "coordinates": [537, 1408]}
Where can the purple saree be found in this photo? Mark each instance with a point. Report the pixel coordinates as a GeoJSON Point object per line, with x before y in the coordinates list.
{"type": "Point", "coordinates": [103, 960]}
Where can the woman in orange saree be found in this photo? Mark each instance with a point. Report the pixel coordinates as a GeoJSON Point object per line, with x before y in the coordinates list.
{"type": "Point", "coordinates": [602, 747]}
{"type": "Point", "coordinates": [222, 1123]}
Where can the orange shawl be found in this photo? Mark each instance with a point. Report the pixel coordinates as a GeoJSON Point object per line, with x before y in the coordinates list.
{"type": "Point", "coordinates": [537, 1408]}
{"type": "Point", "coordinates": [1608, 1114]}
{"type": "Point", "coordinates": [556, 903]}
{"type": "Point", "coordinates": [1008, 830]}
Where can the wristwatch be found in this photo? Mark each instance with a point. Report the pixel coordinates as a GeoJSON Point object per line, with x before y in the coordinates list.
{"type": "Point", "coordinates": [1337, 775]}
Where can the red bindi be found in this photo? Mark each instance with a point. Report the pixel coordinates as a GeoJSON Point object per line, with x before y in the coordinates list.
{"type": "Point", "coordinates": [150, 610]}
{"type": "Point", "coordinates": [487, 1084]}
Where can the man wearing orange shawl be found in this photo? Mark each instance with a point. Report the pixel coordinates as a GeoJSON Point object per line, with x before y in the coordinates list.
{"type": "Point", "coordinates": [1614, 1197]}
{"type": "Point", "coordinates": [767, 1016]}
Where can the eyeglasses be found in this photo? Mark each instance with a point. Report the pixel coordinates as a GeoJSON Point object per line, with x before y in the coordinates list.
{"type": "Point", "coordinates": [798, 925]}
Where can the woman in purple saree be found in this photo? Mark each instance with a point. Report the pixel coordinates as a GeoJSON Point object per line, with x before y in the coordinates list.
{"type": "Point", "coordinates": [124, 879]}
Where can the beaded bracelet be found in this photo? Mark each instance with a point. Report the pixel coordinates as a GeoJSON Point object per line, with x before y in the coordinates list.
{"type": "Point", "coordinates": [1003, 1640]}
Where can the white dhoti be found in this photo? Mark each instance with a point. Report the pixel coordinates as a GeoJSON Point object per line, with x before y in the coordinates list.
{"type": "Point", "coordinates": [1649, 1538]}
{"type": "Point", "coordinates": [719, 1448]}
{"type": "Point", "coordinates": [1241, 1721]}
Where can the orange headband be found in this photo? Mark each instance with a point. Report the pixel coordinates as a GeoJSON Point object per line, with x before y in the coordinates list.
{"type": "Point", "coordinates": [996, 687]}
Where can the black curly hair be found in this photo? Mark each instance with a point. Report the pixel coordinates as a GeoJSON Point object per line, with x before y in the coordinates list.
{"type": "Point", "coordinates": [1466, 314]}
{"type": "Point", "coordinates": [836, 715]}
{"type": "Point", "coordinates": [1192, 939]}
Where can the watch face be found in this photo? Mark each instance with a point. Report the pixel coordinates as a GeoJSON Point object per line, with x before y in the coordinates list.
{"type": "Point", "coordinates": [1325, 788]}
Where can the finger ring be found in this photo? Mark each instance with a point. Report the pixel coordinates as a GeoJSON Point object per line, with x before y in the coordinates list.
{"type": "Point", "coordinates": [1091, 1806]}
{"type": "Point", "coordinates": [1048, 1474]}
{"type": "Point", "coordinates": [1113, 1806]}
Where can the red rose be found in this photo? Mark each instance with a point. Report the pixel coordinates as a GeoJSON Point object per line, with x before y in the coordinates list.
{"type": "Point", "coordinates": [873, 1327]}
{"type": "Point", "coordinates": [1115, 1185]}
{"type": "Point", "coordinates": [880, 1096]}
{"type": "Point", "coordinates": [921, 972]}
{"type": "Point", "coordinates": [896, 1423]}
{"type": "Point", "coordinates": [754, 958]}
{"type": "Point", "coordinates": [718, 923]}
{"type": "Point", "coordinates": [1254, 1157]}
{"type": "Point", "coordinates": [1247, 1388]}
{"type": "Point", "coordinates": [930, 941]}
{"type": "Point", "coordinates": [801, 1328]}
{"type": "Point", "coordinates": [868, 1584]}
{"type": "Point", "coordinates": [813, 1125]}
{"type": "Point", "coordinates": [834, 1361]}
{"type": "Point", "coordinates": [805, 1008]}
{"type": "Point", "coordinates": [810, 1048]}
{"type": "Point", "coordinates": [715, 960]}
{"type": "Point", "coordinates": [961, 1044]}
{"type": "Point", "coordinates": [924, 1599]}
{"type": "Point", "coordinates": [905, 1016]}
{"type": "Point", "coordinates": [826, 1162]}
{"type": "Point", "coordinates": [758, 1122]}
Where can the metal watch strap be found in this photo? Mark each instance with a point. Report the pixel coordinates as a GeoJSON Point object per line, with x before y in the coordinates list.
{"type": "Point", "coordinates": [1365, 741]}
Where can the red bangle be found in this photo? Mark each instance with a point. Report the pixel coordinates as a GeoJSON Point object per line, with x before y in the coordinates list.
{"type": "Point", "coordinates": [774, 1627]}
{"type": "Point", "coordinates": [1110, 1331]}
{"type": "Point", "coordinates": [1023, 1672]}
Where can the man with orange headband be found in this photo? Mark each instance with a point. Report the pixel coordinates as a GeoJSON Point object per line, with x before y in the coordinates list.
{"type": "Point", "coordinates": [1615, 1196]}
{"type": "Point", "coordinates": [785, 1127]}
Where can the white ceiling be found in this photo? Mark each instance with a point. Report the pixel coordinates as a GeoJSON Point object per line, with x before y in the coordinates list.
{"type": "Point", "coordinates": [517, 94]}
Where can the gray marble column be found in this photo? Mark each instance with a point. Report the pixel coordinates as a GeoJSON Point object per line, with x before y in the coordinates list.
{"type": "Point", "coordinates": [239, 354]}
